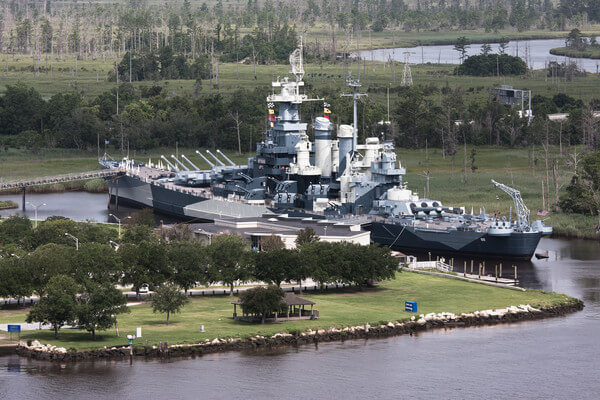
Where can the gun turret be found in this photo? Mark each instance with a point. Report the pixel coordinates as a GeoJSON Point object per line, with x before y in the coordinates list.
{"type": "Point", "coordinates": [170, 165]}
{"type": "Point", "coordinates": [189, 162]}
{"type": "Point", "coordinates": [179, 162]}
{"type": "Point", "coordinates": [216, 159]}
{"type": "Point", "coordinates": [226, 158]}
{"type": "Point", "coordinates": [205, 159]}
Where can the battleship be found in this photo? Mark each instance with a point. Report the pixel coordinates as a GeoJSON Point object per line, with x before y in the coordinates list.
{"type": "Point", "coordinates": [332, 179]}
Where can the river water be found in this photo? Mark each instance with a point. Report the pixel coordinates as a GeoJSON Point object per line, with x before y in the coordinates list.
{"type": "Point", "coordinates": [553, 358]}
{"type": "Point", "coordinates": [535, 52]}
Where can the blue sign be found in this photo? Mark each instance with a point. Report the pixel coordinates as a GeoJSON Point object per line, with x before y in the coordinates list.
{"type": "Point", "coordinates": [14, 328]}
{"type": "Point", "coordinates": [410, 306]}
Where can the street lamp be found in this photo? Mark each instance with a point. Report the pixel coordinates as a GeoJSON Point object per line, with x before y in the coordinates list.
{"type": "Point", "coordinates": [119, 221]}
{"type": "Point", "coordinates": [35, 206]}
{"type": "Point", "coordinates": [75, 239]}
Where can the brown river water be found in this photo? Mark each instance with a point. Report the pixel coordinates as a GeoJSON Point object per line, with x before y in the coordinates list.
{"type": "Point", "coordinates": [552, 358]}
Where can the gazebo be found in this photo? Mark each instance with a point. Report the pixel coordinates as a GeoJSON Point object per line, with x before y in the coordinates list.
{"type": "Point", "coordinates": [296, 310]}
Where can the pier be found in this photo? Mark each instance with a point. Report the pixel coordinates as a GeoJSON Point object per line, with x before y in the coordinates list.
{"type": "Point", "coordinates": [46, 180]}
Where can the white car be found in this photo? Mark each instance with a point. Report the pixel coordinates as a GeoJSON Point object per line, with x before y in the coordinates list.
{"type": "Point", "coordinates": [145, 289]}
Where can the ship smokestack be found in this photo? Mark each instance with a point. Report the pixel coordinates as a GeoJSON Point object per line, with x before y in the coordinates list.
{"type": "Point", "coordinates": [323, 145]}
{"type": "Point", "coordinates": [345, 137]}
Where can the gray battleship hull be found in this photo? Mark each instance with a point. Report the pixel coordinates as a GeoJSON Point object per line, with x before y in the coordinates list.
{"type": "Point", "coordinates": [517, 246]}
{"type": "Point", "coordinates": [179, 203]}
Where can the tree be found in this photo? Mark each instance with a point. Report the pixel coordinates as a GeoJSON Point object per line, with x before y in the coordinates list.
{"type": "Point", "coordinates": [583, 193]}
{"type": "Point", "coordinates": [270, 243]}
{"type": "Point", "coordinates": [48, 261]}
{"type": "Point", "coordinates": [189, 264]}
{"type": "Point", "coordinates": [461, 45]}
{"type": "Point", "coordinates": [263, 301]}
{"type": "Point", "coordinates": [58, 306]}
{"type": "Point", "coordinates": [229, 259]}
{"type": "Point", "coordinates": [96, 262]}
{"type": "Point", "coordinates": [485, 49]}
{"type": "Point", "coordinates": [99, 306]}
{"type": "Point", "coordinates": [15, 279]}
{"type": "Point", "coordinates": [275, 266]}
{"type": "Point", "coordinates": [146, 262]}
{"type": "Point", "coordinates": [15, 229]}
{"type": "Point", "coordinates": [301, 271]}
{"type": "Point", "coordinates": [306, 236]}
{"type": "Point", "coordinates": [143, 217]}
{"type": "Point", "coordinates": [366, 264]}
{"type": "Point", "coordinates": [168, 299]}
{"type": "Point", "coordinates": [138, 233]}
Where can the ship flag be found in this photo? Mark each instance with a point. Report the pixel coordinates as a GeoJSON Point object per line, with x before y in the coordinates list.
{"type": "Point", "coordinates": [326, 110]}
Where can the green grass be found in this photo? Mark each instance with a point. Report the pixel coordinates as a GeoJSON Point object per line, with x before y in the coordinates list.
{"type": "Point", "coordinates": [7, 204]}
{"type": "Point", "coordinates": [593, 53]}
{"type": "Point", "coordinates": [90, 79]}
{"type": "Point", "coordinates": [340, 309]}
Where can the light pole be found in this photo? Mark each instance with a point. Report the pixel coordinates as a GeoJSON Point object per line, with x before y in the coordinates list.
{"type": "Point", "coordinates": [119, 221]}
{"type": "Point", "coordinates": [35, 207]}
{"type": "Point", "coordinates": [75, 239]}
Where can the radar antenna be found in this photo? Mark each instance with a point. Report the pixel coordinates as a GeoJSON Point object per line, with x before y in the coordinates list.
{"type": "Point", "coordinates": [520, 207]}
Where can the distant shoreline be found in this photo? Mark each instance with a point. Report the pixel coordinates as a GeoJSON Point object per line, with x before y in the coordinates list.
{"type": "Point", "coordinates": [593, 54]}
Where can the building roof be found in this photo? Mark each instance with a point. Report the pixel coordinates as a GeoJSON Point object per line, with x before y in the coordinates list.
{"type": "Point", "coordinates": [290, 299]}
{"type": "Point", "coordinates": [280, 225]}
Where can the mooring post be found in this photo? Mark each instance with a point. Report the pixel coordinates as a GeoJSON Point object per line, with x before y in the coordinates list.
{"type": "Point", "coordinates": [109, 194]}
{"type": "Point", "coordinates": [117, 198]}
{"type": "Point", "coordinates": [465, 269]}
{"type": "Point", "coordinates": [23, 198]}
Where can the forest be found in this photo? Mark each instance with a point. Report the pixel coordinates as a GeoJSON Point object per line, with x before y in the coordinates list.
{"type": "Point", "coordinates": [151, 44]}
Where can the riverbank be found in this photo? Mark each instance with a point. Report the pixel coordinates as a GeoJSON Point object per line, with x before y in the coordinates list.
{"type": "Point", "coordinates": [340, 309]}
{"type": "Point", "coordinates": [393, 38]}
{"type": "Point", "coordinates": [592, 53]}
{"type": "Point", "coordinates": [8, 204]}
{"type": "Point", "coordinates": [38, 351]}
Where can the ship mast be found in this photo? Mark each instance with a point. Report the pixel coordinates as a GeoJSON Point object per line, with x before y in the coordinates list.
{"type": "Point", "coordinates": [354, 84]}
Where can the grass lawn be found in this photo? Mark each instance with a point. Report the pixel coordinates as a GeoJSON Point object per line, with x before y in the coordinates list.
{"type": "Point", "coordinates": [386, 303]}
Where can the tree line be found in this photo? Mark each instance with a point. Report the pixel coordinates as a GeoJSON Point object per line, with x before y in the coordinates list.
{"type": "Point", "coordinates": [147, 118]}
{"type": "Point", "coordinates": [43, 260]}
{"type": "Point", "coordinates": [94, 29]}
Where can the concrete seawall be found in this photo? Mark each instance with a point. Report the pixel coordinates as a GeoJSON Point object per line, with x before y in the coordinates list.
{"type": "Point", "coordinates": [423, 323]}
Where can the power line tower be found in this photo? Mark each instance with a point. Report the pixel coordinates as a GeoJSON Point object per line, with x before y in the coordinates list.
{"type": "Point", "coordinates": [407, 75]}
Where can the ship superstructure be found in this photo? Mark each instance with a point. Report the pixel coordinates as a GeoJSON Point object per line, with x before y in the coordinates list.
{"type": "Point", "coordinates": [332, 177]}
